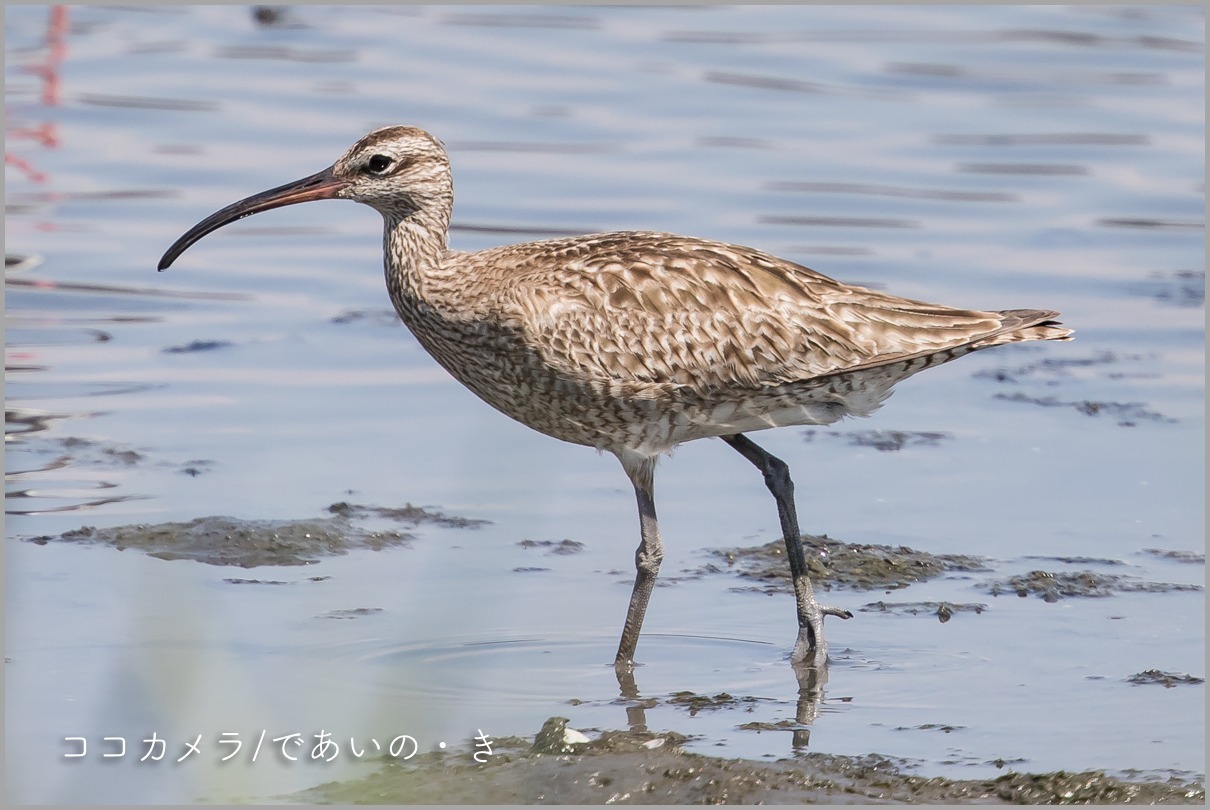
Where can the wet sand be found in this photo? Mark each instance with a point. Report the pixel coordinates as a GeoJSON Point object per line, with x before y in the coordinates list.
{"type": "Point", "coordinates": [628, 768]}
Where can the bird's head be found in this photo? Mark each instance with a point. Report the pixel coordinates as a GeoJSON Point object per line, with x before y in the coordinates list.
{"type": "Point", "coordinates": [397, 170]}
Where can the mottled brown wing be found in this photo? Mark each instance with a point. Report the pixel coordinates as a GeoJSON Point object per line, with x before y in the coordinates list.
{"type": "Point", "coordinates": [663, 309]}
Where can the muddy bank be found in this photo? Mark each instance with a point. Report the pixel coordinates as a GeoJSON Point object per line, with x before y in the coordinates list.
{"type": "Point", "coordinates": [644, 768]}
{"type": "Point", "coordinates": [221, 540]}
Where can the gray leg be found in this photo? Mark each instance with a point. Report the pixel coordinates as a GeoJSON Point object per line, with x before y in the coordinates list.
{"type": "Point", "coordinates": [811, 643]}
{"type": "Point", "coordinates": [646, 559]}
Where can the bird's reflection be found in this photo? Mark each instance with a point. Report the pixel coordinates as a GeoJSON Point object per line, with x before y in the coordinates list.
{"type": "Point", "coordinates": [810, 677]}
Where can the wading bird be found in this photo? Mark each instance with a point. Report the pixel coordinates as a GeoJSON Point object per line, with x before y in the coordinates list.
{"type": "Point", "coordinates": [634, 342]}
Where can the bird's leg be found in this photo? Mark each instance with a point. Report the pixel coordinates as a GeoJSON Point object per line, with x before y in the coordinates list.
{"type": "Point", "coordinates": [811, 644]}
{"type": "Point", "coordinates": [646, 559]}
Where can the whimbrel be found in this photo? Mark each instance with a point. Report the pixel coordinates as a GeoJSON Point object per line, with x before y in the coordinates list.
{"type": "Point", "coordinates": [634, 342]}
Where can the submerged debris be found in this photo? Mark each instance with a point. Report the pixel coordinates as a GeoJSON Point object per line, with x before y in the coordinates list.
{"type": "Point", "coordinates": [1178, 556]}
{"type": "Point", "coordinates": [231, 541]}
{"type": "Point", "coordinates": [1060, 368]}
{"type": "Point", "coordinates": [407, 514]}
{"type": "Point", "coordinates": [1183, 288]}
{"type": "Point", "coordinates": [860, 566]}
{"type": "Point", "coordinates": [350, 613]}
{"type": "Point", "coordinates": [219, 540]}
{"type": "Point", "coordinates": [1054, 586]}
{"type": "Point", "coordinates": [376, 317]}
{"type": "Point", "coordinates": [942, 727]}
{"type": "Point", "coordinates": [886, 441]}
{"type": "Point", "coordinates": [944, 611]}
{"type": "Point", "coordinates": [1075, 560]}
{"type": "Point", "coordinates": [555, 547]}
{"type": "Point", "coordinates": [1128, 414]}
{"type": "Point", "coordinates": [1165, 679]}
{"type": "Point", "coordinates": [198, 346]}
{"type": "Point", "coordinates": [696, 703]}
{"type": "Point", "coordinates": [93, 453]}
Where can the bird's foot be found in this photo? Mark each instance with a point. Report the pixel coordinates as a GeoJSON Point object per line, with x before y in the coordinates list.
{"type": "Point", "coordinates": [811, 647]}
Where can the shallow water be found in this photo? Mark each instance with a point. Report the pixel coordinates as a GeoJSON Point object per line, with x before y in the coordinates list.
{"type": "Point", "coordinates": [1003, 157]}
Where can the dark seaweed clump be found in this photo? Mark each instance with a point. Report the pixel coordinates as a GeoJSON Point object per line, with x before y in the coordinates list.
{"type": "Point", "coordinates": [860, 566]}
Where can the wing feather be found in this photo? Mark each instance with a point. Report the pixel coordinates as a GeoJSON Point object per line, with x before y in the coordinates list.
{"type": "Point", "coordinates": [660, 309]}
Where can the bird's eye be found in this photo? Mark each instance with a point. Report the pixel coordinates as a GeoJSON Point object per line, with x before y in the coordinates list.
{"type": "Point", "coordinates": [379, 164]}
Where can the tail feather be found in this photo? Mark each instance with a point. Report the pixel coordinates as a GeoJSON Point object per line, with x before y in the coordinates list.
{"type": "Point", "coordinates": [1026, 324]}
{"type": "Point", "coordinates": [1016, 325]}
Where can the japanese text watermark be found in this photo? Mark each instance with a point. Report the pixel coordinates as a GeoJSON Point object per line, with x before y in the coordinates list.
{"type": "Point", "coordinates": [322, 746]}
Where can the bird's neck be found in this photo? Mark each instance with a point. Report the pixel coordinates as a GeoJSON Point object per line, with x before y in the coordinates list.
{"type": "Point", "coordinates": [414, 245]}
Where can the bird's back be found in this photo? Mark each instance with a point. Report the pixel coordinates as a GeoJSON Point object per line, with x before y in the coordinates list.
{"type": "Point", "coordinates": [664, 309]}
{"type": "Point", "coordinates": [698, 336]}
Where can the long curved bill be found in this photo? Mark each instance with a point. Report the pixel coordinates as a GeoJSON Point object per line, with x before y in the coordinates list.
{"type": "Point", "coordinates": [321, 186]}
